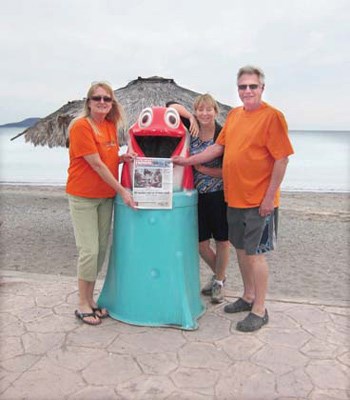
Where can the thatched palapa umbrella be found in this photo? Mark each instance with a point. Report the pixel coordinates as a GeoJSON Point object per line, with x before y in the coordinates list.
{"type": "Point", "coordinates": [135, 96]}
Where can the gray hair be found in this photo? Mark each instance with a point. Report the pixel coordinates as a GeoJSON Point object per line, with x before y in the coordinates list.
{"type": "Point", "coordinates": [252, 70]}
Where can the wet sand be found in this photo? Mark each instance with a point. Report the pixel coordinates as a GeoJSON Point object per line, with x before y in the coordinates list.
{"type": "Point", "coordinates": [311, 262]}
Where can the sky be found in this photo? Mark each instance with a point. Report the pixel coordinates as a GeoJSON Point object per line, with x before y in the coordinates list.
{"type": "Point", "coordinates": [51, 51]}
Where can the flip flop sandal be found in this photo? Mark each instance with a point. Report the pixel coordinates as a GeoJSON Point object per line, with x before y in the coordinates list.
{"type": "Point", "coordinates": [99, 310]}
{"type": "Point", "coordinates": [83, 316]}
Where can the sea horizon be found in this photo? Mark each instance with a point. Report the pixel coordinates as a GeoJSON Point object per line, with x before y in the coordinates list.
{"type": "Point", "coordinates": [320, 162]}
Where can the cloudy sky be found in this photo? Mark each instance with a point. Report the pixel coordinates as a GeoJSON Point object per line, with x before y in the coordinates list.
{"type": "Point", "coordinates": [52, 50]}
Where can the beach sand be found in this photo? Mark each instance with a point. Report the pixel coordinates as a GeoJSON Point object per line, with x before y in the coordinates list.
{"type": "Point", "coordinates": [311, 262]}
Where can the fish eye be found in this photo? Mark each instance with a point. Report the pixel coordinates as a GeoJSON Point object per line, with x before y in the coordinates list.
{"type": "Point", "coordinates": [145, 118]}
{"type": "Point", "coordinates": [172, 118]}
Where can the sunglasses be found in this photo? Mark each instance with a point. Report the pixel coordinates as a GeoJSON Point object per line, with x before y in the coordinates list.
{"type": "Point", "coordinates": [106, 99]}
{"type": "Point", "coordinates": [254, 86]}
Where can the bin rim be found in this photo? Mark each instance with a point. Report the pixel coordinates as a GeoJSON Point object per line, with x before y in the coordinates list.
{"type": "Point", "coordinates": [183, 198]}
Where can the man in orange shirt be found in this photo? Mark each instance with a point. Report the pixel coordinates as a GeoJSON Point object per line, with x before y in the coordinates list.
{"type": "Point", "coordinates": [255, 144]}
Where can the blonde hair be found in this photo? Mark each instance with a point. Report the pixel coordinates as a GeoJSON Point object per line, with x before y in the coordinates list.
{"type": "Point", "coordinates": [207, 99]}
{"type": "Point", "coordinates": [116, 114]}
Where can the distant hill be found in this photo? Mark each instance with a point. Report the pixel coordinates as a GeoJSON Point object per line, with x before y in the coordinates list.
{"type": "Point", "coordinates": [26, 123]}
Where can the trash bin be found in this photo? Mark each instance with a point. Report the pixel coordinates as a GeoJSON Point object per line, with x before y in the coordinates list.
{"type": "Point", "coordinates": [153, 273]}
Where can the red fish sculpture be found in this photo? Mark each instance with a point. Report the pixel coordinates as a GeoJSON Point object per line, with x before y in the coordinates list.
{"type": "Point", "coordinates": [159, 133]}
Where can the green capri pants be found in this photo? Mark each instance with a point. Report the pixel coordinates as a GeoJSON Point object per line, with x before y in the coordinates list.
{"type": "Point", "coordinates": [91, 222]}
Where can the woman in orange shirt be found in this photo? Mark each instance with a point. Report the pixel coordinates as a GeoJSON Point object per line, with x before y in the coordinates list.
{"type": "Point", "coordinates": [91, 186]}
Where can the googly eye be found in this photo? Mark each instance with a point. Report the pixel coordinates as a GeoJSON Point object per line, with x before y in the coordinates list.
{"type": "Point", "coordinates": [172, 118]}
{"type": "Point", "coordinates": [145, 118]}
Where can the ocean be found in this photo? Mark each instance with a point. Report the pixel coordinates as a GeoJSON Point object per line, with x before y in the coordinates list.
{"type": "Point", "coordinates": [320, 162]}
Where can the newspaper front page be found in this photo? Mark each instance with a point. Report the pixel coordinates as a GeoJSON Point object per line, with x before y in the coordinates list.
{"type": "Point", "coordinates": [153, 182]}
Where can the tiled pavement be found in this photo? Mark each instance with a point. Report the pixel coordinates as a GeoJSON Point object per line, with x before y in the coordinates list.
{"type": "Point", "coordinates": [46, 353]}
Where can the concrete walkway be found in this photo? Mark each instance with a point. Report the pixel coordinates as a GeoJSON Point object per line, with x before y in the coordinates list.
{"type": "Point", "coordinates": [46, 353]}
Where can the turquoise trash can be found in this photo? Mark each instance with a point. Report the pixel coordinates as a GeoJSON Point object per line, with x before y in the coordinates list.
{"type": "Point", "coordinates": [153, 271]}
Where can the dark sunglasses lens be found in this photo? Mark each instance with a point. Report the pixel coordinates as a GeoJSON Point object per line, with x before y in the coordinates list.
{"type": "Point", "coordinates": [254, 86]}
{"type": "Point", "coordinates": [106, 99]}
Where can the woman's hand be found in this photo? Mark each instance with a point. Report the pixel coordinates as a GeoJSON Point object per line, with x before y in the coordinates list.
{"type": "Point", "coordinates": [200, 168]}
{"type": "Point", "coordinates": [127, 198]}
{"type": "Point", "coordinates": [194, 127]}
{"type": "Point", "coordinates": [212, 172]}
{"type": "Point", "coordinates": [127, 157]}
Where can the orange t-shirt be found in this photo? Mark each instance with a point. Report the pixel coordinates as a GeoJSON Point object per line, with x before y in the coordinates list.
{"type": "Point", "coordinates": [253, 141]}
{"type": "Point", "coordinates": [82, 179]}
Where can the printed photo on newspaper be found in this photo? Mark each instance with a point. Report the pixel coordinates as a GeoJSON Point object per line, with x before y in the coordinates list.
{"type": "Point", "coordinates": [153, 182]}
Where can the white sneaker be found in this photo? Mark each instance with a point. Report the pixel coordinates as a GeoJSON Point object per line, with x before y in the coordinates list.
{"type": "Point", "coordinates": [217, 293]}
{"type": "Point", "coordinates": [207, 288]}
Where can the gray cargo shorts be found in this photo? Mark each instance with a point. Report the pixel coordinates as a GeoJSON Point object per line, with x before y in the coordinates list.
{"type": "Point", "coordinates": [250, 232]}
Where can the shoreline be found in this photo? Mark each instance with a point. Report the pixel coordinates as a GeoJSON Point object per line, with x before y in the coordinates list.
{"type": "Point", "coordinates": [62, 185]}
{"type": "Point", "coordinates": [311, 260]}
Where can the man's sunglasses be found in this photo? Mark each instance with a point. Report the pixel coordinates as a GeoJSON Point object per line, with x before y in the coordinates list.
{"type": "Point", "coordinates": [254, 86]}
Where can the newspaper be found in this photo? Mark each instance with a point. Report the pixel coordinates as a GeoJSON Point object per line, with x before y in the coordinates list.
{"type": "Point", "coordinates": [153, 182]}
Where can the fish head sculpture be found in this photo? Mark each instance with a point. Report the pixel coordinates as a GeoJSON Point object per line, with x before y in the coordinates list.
{"type": "Point", "coordinates": [160, 133]}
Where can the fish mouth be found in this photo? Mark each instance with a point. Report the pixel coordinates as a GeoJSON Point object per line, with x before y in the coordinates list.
{"type": "Point", "coordinates": [158, 146]}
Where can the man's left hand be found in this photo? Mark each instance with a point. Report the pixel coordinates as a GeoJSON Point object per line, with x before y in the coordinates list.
{"type": "Point", "coordinates": [266, 207]}
{"type": "Point", "coordinates": [178, 160]}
